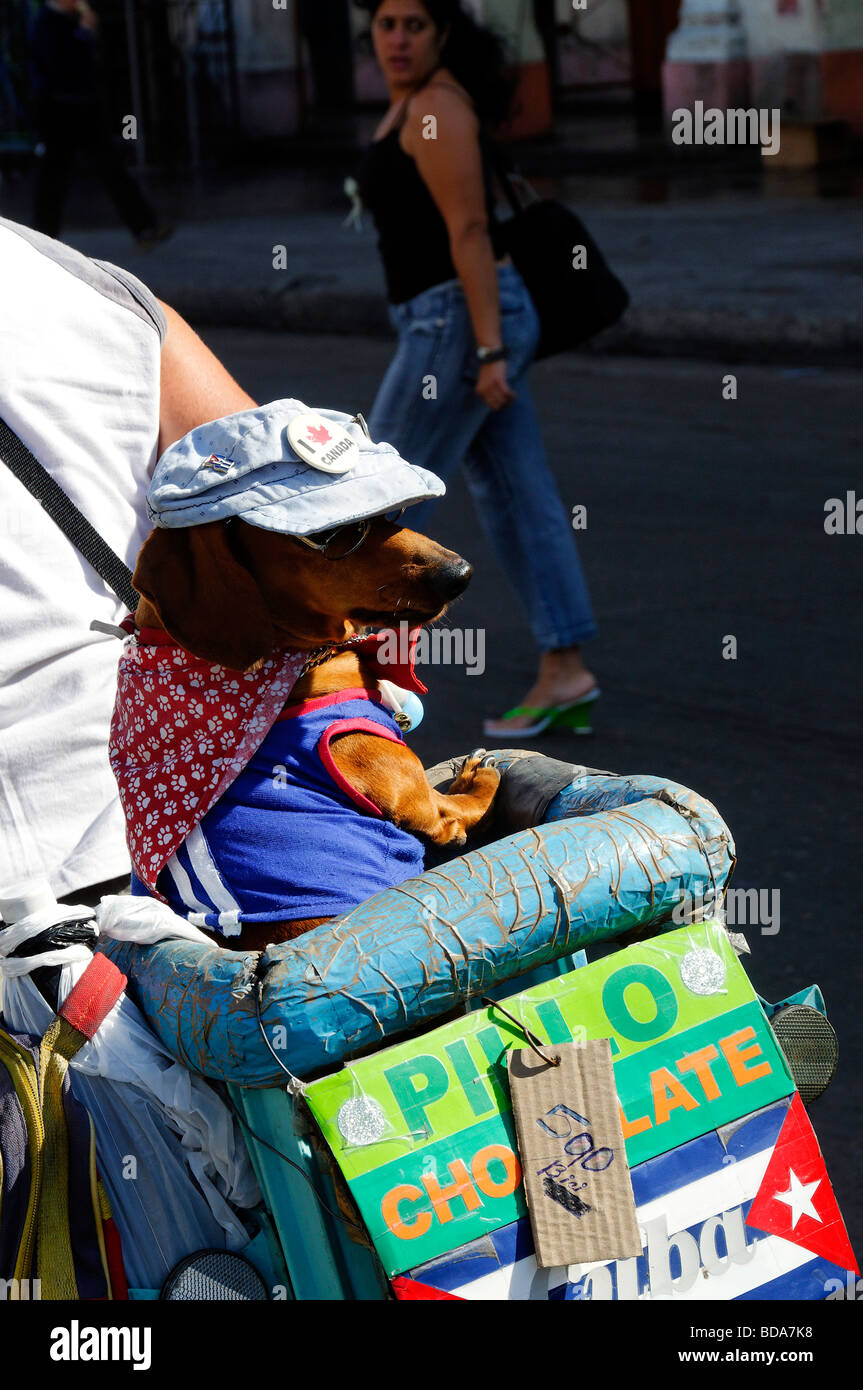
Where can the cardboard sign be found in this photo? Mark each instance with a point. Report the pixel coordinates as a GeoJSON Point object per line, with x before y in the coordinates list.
{"type": "Point", "coordinates": [701, 1242]}
{"type": "Point", "coordinates": [441, 1166]}
{"type": "Point", "coordinates": [576, 1178]}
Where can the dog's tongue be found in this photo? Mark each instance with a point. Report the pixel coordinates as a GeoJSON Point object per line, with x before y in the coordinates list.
{"type": "Point", "coordinates": [395, 654]}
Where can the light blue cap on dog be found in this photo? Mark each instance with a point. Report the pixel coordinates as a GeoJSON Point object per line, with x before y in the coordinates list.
{"type": "Point", "coordinates": [286, 468]}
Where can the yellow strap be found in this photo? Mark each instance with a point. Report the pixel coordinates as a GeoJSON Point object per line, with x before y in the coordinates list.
{"type": "Point", "coordinates": [101, 1208]}
{"type": "Point", "coordinates": [47, 1218]}
{"type": "Point", "coordinates": [104, 1199]}
{"type": "Point", "coordinates": [54, 1261]}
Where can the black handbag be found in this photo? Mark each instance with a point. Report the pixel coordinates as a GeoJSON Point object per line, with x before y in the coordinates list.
{"type": "Point", "coordinates": [575, 293]}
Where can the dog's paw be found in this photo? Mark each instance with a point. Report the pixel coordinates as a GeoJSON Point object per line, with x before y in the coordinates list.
{"type": "Point", "coordinates": [451, 832]}
{"type": "Point", "coordinates": [477, 771]}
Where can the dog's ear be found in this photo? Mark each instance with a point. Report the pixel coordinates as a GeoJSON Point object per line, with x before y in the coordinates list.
{"type": "Point", "coordinates": [206, 600]}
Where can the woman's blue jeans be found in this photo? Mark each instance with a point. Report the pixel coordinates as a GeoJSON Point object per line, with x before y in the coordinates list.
{"type": "Point", "coordinates": [427, 407]}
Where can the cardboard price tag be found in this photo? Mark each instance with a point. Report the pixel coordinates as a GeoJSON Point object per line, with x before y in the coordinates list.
{"type": "Point", "coordinates": [576, 1177]}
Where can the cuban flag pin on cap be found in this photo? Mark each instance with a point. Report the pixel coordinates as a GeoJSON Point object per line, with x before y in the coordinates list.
{"type": "Point", "coordinates": [322, 444]}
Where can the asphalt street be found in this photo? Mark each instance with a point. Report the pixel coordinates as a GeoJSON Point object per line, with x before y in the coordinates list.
{"type": "Point", "coordinates": [705, 521]}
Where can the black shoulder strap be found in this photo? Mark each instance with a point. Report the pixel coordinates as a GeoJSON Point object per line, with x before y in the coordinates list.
{"type": "Point", "coordinates": [65, 514]}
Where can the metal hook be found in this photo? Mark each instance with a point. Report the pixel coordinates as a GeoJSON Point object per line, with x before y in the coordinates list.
{"type": "Point", "coordinates": [532, 1039]}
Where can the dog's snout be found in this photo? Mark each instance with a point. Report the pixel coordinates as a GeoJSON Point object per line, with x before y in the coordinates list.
{"type": "Point", "coordinates": [452, 578]}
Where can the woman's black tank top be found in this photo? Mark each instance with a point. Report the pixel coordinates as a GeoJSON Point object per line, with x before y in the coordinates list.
{"type": "Point", "coordinates": [412, 235]}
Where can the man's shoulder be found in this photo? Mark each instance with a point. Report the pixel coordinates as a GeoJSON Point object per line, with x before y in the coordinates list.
{"type": "Point", "coordinates": [112, 282]}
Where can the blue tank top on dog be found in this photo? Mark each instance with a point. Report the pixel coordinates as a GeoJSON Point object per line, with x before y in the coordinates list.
{"type": "Point", "coordinates": [291, 838]}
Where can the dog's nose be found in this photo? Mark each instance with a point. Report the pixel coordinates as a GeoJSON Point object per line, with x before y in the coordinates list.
{"type": "Point", "coordinates": [452, 578]}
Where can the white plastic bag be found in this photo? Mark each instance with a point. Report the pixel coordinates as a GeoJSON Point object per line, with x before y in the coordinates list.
{"type": "Point", "coordinates": [169, 1150]}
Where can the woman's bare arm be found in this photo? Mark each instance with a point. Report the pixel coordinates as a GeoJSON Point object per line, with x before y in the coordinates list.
{"type": "Point", "coordinates": [446, 151]}
{"type": "Point", "coordinates": [195, 387]}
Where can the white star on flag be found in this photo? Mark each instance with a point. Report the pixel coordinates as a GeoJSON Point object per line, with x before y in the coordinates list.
{"type": "Point", "coordinates": [799, 1197]}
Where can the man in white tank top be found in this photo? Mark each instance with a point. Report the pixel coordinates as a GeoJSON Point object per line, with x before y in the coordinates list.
{"type": "Point", "coordinates": [96, 379]}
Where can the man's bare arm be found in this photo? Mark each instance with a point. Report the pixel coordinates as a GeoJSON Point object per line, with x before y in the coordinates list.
{"type": "Point", "coordinates": [195, 387]}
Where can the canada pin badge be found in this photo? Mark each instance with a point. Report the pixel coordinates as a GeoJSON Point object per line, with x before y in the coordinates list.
{"type": "Point", "coordinates": [322, 444]}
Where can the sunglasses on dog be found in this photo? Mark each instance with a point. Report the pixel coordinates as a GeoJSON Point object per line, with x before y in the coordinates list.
{"type": "Point", "coordinates": [339, 543]}
{"type": "Point", "coordinates": [342, 541]}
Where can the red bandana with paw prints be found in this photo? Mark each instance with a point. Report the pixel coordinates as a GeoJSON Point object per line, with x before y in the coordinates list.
{"type": "Point", "coordinates": [182, 730]}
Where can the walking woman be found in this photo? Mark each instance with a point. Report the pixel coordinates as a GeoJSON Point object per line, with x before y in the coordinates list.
{"type": "Point", "coordinates": [467, 331]}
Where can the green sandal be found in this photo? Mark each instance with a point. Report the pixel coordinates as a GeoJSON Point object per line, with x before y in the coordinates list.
{"type": "Point", "coordinates": [575, 716]}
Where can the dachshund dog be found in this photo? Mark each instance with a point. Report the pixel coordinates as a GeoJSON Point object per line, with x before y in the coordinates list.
{"type": "Point", "coordinates": [232, 593]}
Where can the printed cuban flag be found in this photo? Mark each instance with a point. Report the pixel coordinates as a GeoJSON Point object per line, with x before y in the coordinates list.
{"type": "Point", "coordinates": [745, 1212]}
